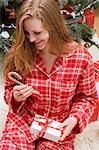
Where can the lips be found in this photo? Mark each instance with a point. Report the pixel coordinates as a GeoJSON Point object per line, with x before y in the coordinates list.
{"type": "Point", "coordinates": [38, 43]}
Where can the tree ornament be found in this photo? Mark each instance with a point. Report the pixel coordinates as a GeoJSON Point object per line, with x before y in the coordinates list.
{"type": "Point", "coordinates": [5, 34]}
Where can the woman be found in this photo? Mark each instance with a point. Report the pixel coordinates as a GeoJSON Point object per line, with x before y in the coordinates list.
{"type": "Point", "coordinates": [57, 75]}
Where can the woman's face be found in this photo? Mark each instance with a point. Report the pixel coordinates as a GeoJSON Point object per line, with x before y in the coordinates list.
{"type": "Point", "coordinates": [36, 33]}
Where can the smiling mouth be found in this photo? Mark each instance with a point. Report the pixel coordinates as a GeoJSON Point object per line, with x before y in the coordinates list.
{"type": "Point", "coordinates": [38, 43]}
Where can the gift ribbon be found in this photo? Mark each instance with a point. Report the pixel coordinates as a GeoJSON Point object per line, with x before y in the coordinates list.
{"type": "Point", "coordinates": [43, 124]}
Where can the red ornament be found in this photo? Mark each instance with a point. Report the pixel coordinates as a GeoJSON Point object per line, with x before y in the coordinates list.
{"type": "Point", "coordinates": [89, 17]}
{"type": "Point", "coordinates": [68, 10]}
{"type": "Point", "coordinates": [12, 14]}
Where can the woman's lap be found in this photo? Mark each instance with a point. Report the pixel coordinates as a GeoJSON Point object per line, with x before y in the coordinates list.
{"type": "Point", "coordinates": [41, 144]}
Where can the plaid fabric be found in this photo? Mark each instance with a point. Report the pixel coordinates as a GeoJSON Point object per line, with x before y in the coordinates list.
{"type": "Point", "coordinates": [7, 144]}
{"type": "Point", "coordinates": [44, 144]}
{"type": "Point", "coordinates": [69, 90]}
{"type": "Point", "coordinates": [15, 142]}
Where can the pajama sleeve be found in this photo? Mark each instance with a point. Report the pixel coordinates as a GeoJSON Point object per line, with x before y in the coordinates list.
{"type": "Point", "coordinates": [84, 102]}
{"type": "Point", "coordinates": [9, 99]}
{"type": "Point", "coordinates": [8, 96]}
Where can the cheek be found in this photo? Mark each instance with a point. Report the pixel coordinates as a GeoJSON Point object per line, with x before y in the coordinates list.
{"type": "Point", "coordinates": [45, 36]}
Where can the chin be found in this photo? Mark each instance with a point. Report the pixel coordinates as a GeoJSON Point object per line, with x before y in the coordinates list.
{"type": "Point", "coordinates": [40, 48]}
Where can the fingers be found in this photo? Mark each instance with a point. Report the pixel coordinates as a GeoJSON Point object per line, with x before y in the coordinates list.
{"type": "Point", "coordinates": [64, 124]}
{"type": "Point", "coordinates": [36, 92]}
{"type": "Point", "coordinates": [18, 97]}
{"type": "Point", "coordinates": [20, 87]}
{"type": "Point", "coordinates": [66, 131]}
{"type": "Point", "coordinates": [67, 126]}
{"type": "Point", "coordinates": [22, 92]}
{"type": "Point", "coordinates": [25, 87]}
{"type": "Point", "coordinates": [26, 92]}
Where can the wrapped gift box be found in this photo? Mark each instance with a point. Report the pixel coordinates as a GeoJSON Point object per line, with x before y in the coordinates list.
{"type": "Point", "coordinates": [46, 128]}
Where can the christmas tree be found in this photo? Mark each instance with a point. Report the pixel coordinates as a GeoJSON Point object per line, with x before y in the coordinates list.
{"type": "Point", "coordinates": [78, 15]}
{"type": "Point", "coordinates": [7, 22]}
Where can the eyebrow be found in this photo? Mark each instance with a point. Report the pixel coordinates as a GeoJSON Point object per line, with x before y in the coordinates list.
{"type": "Point", "coordinates": [35, 32]}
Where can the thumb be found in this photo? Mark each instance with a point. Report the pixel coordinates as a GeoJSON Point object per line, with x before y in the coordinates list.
{"type": "Point", "coordinates": [62, 125]}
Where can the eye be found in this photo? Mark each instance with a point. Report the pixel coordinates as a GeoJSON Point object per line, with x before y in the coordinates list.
{"type": "Point", "coordinates": [37, 33]}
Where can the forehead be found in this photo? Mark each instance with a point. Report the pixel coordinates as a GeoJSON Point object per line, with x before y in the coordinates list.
{"type": "Point", "coordinates": [34, 24]}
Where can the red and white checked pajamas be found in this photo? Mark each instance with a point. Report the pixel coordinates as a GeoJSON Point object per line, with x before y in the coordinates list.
{"type": "Point", "coordinates": [69, 90]}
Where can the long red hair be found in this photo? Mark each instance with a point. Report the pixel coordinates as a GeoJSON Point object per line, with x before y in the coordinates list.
{"type": "Point", "coordinates": [21, 58]}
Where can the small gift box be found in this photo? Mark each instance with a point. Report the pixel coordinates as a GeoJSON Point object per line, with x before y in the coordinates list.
{"type": "Point", "coordinates": [46, 128]}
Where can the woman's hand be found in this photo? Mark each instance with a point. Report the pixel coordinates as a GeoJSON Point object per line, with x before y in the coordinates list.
{"type": "Point", "coordinates": [67, 126]}
{"type": "Point", "coordinates": [22, 92]}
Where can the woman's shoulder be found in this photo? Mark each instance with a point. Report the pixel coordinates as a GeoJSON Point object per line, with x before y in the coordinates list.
{"type": "Point", "coordinates": [82, 52]}
{"type": "Point", "coordinates": [79, 56]}
{"type": "Point", "coordinates": [78, 51]}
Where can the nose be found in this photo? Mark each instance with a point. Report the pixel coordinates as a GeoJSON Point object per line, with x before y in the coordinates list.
{"type": "Point", "coordinates": [32, 38]}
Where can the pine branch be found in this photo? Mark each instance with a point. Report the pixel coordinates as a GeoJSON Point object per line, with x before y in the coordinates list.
{"type": "Point", "coordinates": [4, 3]}
{"type": "Point", "coordinates": [89, 6]}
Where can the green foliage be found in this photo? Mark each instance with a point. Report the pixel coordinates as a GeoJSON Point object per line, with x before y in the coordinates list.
{"type": "Point", "coordinates": [96, 5]}
{"type": "Point", "coordinates": [14, 3]}
{"type": "Point", "coordinates": [77, 30]}
{"type": "Point", "coordinates": [80, 31]}
{"type": "Point", "coordinates": [5, 44]}
{"type": "Point", "coordinates": [74, 29]}
{"type": "Point", "coordinates": [86, 31]}
{"type": "Point", "coordinates": [4, 3]}
{"type": "Point", "coordinates": [79, 4]}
